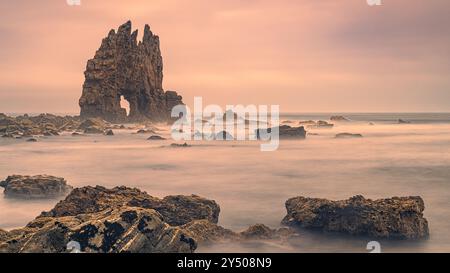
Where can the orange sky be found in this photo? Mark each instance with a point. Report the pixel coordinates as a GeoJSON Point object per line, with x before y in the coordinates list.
{"type": "Point", "coordinates": [306, 55]}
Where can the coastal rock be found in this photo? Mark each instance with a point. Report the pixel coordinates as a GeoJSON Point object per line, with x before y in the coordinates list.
{"type": "Point", "coordinates": [156, 137]}
{"type": "Point", "coordinates": [348, 135]}
{"type": "Point", "coordinates": [175, 210]}
{"type": "Point", "coordinates": [109, 132]}
{"type": "Point", "coordinates": [124, 67]}
{"type": "Point", "coordinates": [203, 231]}
{"type": "Point", "coordinates": [285, 131]}
{"type": "Point", "coordinates": [43, 124]}
{"type": "Point", "coordinates": [176, 145]}
{"type": "Point", "coordinates": [339, 118]}
{"type": "Point", "coordinates": [393, 218]}
{"type": "Point", "coordinates": [3, 235]}
{"type": "Point", "coordinates": [39, 186]}
{"type": "Point", "coordinates": [124, 229]}
{"type": "Point", "coordinates": [321, 124]}
{"type": "Point", "coordinates": [402, 121]}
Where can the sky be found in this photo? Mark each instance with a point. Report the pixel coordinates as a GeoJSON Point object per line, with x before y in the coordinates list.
{"type": "Point", "coordinates": [304, 55]}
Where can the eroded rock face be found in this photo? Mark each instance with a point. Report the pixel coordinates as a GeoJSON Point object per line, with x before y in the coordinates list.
{"type": "Point", "coordinates": [124, 229]}
{"type": "Point", "coordinates": [122, 66]}
{"type": "Point", "coordinates": [175, 210]}
{"type": "Point", "coordinates": [394, 218]}
{"type": "Point", "coordinates": [122, 219]}
{"type": "Point", "coordinates": [38, 186]}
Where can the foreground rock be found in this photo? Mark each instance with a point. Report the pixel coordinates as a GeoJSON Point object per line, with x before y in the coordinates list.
{"type": "Point", "coordinates": [34, 187]}
{"type": "Point", "coordinates": [124, 229]}
{"type": "Point", "coordinates": [127, 220]}
{"type": "Point", "coordinates": [175, 210]}
{"type": "Point", "coordinates": [285, 131]}
{"type": "Point", "coordinates": [394, 218]}
{"type": "Point", "coordinates": [122, 66]}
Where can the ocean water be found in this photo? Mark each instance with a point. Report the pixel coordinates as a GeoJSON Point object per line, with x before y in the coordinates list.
{"type": "Point", "coordinates": [251, 186]}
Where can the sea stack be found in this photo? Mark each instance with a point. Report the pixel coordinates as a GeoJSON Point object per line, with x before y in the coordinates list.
{"type": "Point", "coordinates": [124, 67]}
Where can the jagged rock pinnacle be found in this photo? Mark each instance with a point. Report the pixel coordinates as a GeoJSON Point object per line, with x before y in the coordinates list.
{"type": "Point", "coordinates": [122, 67]}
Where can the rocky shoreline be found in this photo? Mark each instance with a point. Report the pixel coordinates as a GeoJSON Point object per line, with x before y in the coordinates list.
{"type": "Point", "coordinates": [125, 219]}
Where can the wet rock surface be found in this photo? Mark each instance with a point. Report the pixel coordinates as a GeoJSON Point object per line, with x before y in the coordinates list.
{"type": "Point", "coordinates": [393, 218]}
{"type": "Point", "coordinates": [122, 219]}
{"type": "Point", "coordinates": [124, 229]}
{"type": "Point", "coordinates": [35, 187]}
{"type": "Point", "coordinates": [176, 210]}
{"type": "Point", "coordinates": [124, 67]}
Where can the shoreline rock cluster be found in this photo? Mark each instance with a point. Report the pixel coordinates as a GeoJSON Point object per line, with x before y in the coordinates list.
{"type": "Point", "coordinates": [127, 220]}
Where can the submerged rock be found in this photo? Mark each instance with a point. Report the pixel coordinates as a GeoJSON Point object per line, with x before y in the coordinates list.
{"type": "Point", "coordinates": [348, 135]}
{"type": "Point", "coordinates": [39, 186]}
{"type": "Point", "coordinates": [33, 139]}
{"type": "Point", "coordinates": [156, 137]}
{"type": "Point", "coordinates": [176, 145]}
{"type": "Point", "coordinates": [402, 121]}
{"type": "Point", "coordinates": [393, 218]}
{"type": "Point", "coordinates": [321, 124]}
{"type": "Point", "coordinates": [339, 118]}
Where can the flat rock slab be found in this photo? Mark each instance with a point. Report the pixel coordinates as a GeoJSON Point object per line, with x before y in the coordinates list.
{"type": "Point", "coordinates": [35, 187]}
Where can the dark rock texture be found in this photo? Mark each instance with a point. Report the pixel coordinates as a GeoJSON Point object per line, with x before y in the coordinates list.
{"type": "Point", "coordinates": [43, 125]}
{"type": "Point", "coordinates": [348, 135]}
{"type": "Point", "coordinates": [285, 132]}
{"type": "Point", "coordinates": [126, 220]}
{"type": "Point", "coordinates": [394, 218]}
{"type": "Point", "coordinates": [175, 210]}
{"type": "Point", "coordinates": [123, 229]}
{"type": "Point", "coordinates": [31, 187]}
{"type": "Point", "coordinates": [339, 118]}
{"type": "Point", "coordinates": [122, 66]}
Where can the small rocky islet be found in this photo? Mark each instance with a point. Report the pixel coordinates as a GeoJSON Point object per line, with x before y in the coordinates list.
{"type": "Point", "coordinates": [126, 219]}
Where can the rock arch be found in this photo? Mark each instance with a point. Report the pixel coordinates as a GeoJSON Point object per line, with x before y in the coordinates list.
{"type": "Point", "coordinates": [122, 66]}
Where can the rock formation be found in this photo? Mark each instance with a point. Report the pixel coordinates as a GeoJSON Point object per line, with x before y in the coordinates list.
{"type": "Point", "coordinates": [127, 220]}
{"type": "Point", "coordinates": [43, 125]}
{"type": "Point", "coordinates": [348, 135]}
{"type": "Point", "coordinates": [285, 132]}
{"type": "Point", "coordinates": [31, 187]}
{"type": "Point", "coordinates": [339, 118]}
{"type": "Point", "coordinates": [394, 218]}
{"type": "Point", "coordinates": [122, 66]}
{"type": "Point", "coordinates": [176, 210]}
